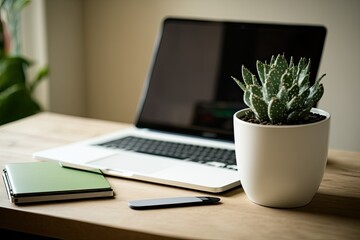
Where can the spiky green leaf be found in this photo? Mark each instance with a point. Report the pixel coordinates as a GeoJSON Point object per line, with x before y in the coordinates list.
{"type": "Point", "coordinates": [261, 69]}
{"type": "Point", "coordinates": [255, 89]}
{"type": "Point", "coordinates": [239, 83]}
{"type": "Point", "coordinates": [272, 60]}
{"type": "Point", "coordinates": [277, 111]}
{"type": "Point", "coordinates": [293, 91]}
{"type": "Point", "coordinates": [274, 78]}
{"type": "Point", "coordinates": [317, 82]}
{"type": "Point", "coordinates": [269, 90]}
{"type": "Point", "coordinates": [291, 62]}
{"type": "Point", "coordinates": [247, 76]}
{"type": "Point", "coordinates": [304, 75]}
{"type": "Point", "coordinates": [246, 98]}
{"type": "Point", "coordinates": [304, 83]}
{"type": "Point", "coordinates": [259, 107]}
{"type": "Point", "coordinates": [282, 94]}
{"type": "Point", "coordinates": [281, 64]}
{"type": "Point", "coordinates": [297, 115]}
{"type": "Point", "coordinates": [302, 64]}
{"type": "Point", "coordinates": [286, 79]}
{"type": "Point", "coordinates": [298, 101]}
{"type": "Point", "coordinates": [293, 116]}
{"type": "Point", "coordinates": [316, 94]}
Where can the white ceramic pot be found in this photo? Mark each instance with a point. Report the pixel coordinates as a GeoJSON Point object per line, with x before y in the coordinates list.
{"type": "Point", "coordinates": [281, 166]}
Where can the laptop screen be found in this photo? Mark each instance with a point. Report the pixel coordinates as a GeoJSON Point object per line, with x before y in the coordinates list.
{"type": "Point", "coordinates": [190, 90]}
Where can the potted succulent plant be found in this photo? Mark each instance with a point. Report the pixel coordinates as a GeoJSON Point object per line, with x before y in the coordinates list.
{"type": "Point", "coordinates": [281, 141]}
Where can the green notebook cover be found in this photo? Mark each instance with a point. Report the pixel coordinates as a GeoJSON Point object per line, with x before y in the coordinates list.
{"type": "Point", "coordinates": [47, 181]}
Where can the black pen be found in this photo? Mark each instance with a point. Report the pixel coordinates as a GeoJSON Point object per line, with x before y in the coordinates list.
{"type": "Point", "coordinates": [172, 202]}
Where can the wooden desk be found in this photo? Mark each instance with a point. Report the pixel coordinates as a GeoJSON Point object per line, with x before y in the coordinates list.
{"type": "Point", "coordinates": [334, 212]}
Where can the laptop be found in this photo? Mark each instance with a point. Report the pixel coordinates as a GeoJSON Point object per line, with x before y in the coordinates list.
{"type": "Point", "coordinates": [183, 135]}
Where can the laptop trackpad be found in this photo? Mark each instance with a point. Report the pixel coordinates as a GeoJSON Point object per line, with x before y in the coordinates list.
{"type": "Point", "coordinates": [133, 162]}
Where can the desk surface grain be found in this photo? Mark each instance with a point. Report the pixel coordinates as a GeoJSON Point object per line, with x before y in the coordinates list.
{"type": "Point", "coordinates": [334, 212]}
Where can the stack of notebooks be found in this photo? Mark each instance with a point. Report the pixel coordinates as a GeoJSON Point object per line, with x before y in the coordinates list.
{"type": "Point", "coordinates": [49, 181]}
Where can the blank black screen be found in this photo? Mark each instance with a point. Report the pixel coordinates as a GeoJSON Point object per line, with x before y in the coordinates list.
{"type": "Point", "coordinates": [190, 90]}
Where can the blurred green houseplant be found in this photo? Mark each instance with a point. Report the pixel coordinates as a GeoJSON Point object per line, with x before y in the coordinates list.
{"type": "Point", "coordinates": [16, 100]}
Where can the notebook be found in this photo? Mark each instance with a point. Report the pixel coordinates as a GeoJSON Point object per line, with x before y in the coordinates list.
{"type": "Point", "coordinates": [49, 181]}
{"type": "Point", "coordinates": [189, 99]}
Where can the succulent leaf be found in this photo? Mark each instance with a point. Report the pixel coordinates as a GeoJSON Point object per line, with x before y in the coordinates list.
{"type": "Point", "coordinates": [259, 107]}
{"type": "Point", "coordinates": [293, 91]}
{"type": "Point", "coordinates": [246, 98]}
{"type": "Point", "coordinates": [293, 116]}
{"type": "Point", "coordinates": [301, 65]}
{"type": "Point", "coordinates": [255, 81]}
{"type": "Point", "coordinates": [303, 78]}
{"type": "Point", "coordinates": [305, 83]}
{"type": "Point", "coordinates": [305, 113]}
{"type": "Point", "coordinates": [291, 63]}
{"type": "Point", "coordinates": [261, 69]}
{"type": "Point", "coordinates": [298, 115]}
{"type": "Point", "coordinates": [277, 111]}
{"type": "Point", "coordinates": [316, 94]}
{"type": "Point", "coordinates": [298, 101]}
{"type": "Point", "coordinates": [281, 64]}
{"type": "Point", "coordinates": [269, 90]}
{"type": "Point", "coordinates": [247, 76]}
{"type": "Point", "coordinates": [272, 60]}
{"type": "Point", "coordinates": [317, 82]}
{"type": "Point", "coordinates": [282, 95]}
{"type": "Point", "coordinates": [286, 79]}
{"type": "Point", "coordinates": [255, 89]}
{"type": "Point", "coordinates": [273, 75]}
{"type": "Point", "coordinates": [240, 84]}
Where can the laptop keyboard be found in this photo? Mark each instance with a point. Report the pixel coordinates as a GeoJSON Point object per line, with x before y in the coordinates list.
{"type": "Point", "coordinates": [216, 157]}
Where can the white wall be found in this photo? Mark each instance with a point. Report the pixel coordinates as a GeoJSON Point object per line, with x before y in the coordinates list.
{"type": "Point", "coordinates": [119, 36]}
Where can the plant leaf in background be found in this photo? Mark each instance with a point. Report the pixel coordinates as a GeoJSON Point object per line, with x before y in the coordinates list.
{"type": "Point", "coordinates": [16, 100]}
